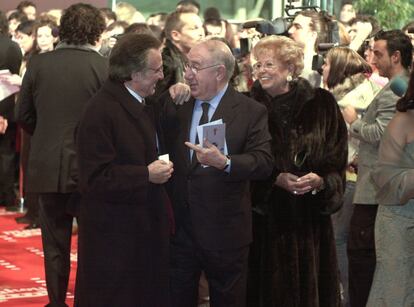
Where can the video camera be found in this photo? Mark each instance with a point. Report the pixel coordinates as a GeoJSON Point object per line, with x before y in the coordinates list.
{"type": "Point", "coordinates": [322, 48]}
{"type": "Point", "coordinates": [278, 26]}
{"type": "Point", "coordinates": [281, 25]}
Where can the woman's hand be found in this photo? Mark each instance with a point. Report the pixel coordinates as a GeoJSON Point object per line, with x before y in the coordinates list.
{"type": "Point", "coordinates": [12, 79]}
{"type": "Point", "coordinates": [299, 185]}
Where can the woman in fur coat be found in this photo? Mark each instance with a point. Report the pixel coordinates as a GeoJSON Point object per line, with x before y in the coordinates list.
{"type": "Point", "coordinates": [292, 260]}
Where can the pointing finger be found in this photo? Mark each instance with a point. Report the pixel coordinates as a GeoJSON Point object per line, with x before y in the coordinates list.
{"type": "Point", "coordinates": [196, 148]}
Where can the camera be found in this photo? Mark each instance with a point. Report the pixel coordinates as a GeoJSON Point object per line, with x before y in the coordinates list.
{"type": "Point", "coordinates": [322, 48]}
{"type": "Point", "coordinates": [279, 26]}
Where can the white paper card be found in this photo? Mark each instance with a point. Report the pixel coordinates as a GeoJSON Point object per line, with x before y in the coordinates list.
{"type": "Point", "coordinates": [165, 158]}
{"type": "Point", "coordinates": [6, 89]}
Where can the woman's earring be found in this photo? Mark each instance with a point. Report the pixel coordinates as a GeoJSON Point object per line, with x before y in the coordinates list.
{"type": "Point", "coordinates": [289, 78]}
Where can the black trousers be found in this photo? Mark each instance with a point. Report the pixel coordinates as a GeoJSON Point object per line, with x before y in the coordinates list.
{"type": "Point", "coordinates": [31, 200]}
{"type": "Point", "coordinates": [56, 226]}
{"type": "Point", "coordinates": [361, 253]}
{"type": "Point", "coordinates": [8, 166]}
{"type": "Point", "coordinates": [226, 273]}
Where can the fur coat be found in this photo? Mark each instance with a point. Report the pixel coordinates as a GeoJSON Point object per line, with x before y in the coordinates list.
{"type": "Point", "coordinates": [357, 91]}
{"type": "Point", "coordinates": [293, 261]}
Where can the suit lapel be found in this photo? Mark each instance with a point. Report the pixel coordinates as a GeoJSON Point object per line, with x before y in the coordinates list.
{"type": "Point", "coordinates": [226, 108]}
{"type": "Point", "coordinates": [187, 115]}
{"type": "Point", "coordinates": [128, 102]}
{"type": "Point", "coordinates": [136, 109]}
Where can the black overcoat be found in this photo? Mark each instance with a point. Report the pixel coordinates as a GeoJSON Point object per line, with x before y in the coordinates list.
{"type": "Point", "coordinates": [123, 234]}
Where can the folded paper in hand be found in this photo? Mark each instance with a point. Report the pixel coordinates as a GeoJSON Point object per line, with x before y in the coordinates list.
{"type": "Point", "coordinates": [215, 133]}
{"type": "Point", "coordinates": [6, 89]}
{"type": "Point", "coordinates": [165, 158]}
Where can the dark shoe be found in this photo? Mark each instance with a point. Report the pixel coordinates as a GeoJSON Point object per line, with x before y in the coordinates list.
{"type": "Point", "coordinates": [32, 226]}
{"type": "Point", "coordinates": [23, 220]}
{"type": "Point", "coordinates": [13, 208]}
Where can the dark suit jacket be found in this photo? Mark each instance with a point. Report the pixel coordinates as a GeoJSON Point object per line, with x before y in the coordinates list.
{"type": "Point", "coordinates": [11, 59]}
{"type": "Point", "coordinates": [123, 234]}
{"type": "Point", "coordinates": [55, 89]}
{"type": "Point", "coordinates": [219, 202]}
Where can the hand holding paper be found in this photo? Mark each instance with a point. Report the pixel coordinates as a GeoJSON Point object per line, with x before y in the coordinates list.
{"type": "Point", "coordinates": [6, 86]}
{"type": "Point", "coordinates": [215, 133]}
{"type": "Point", "coordinates": [165, 158]}
{"type": "Point", "coordinates": [160, 171]}
{"type": "Point", "coordinates": [15, 79]}
{"type": "Point", "coordinates": [209, 154]}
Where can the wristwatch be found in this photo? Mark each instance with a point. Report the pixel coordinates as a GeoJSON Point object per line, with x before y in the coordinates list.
{"type": "Point", "coordinates": [227, 163]}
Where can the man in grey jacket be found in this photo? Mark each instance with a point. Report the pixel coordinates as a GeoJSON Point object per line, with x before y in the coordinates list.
{"type": "Point", "coordinates": [393, 57]}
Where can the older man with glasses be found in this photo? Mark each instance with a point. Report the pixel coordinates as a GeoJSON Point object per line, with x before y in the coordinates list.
{"type": "Point", "coordinates": [210, 188]}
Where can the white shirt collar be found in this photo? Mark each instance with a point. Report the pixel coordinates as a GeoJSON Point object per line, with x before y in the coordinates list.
{"type": "Point", "coordinates": [134, 94]}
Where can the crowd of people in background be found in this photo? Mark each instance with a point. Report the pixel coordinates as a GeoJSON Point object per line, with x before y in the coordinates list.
{"type": "Point", "coordinates": [308, 203]}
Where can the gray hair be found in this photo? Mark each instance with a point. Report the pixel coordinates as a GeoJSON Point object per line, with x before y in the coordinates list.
{"type": "Point", "coordinates": [222, 55]}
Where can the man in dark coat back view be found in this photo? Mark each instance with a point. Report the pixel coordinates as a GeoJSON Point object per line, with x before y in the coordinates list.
{"type": "Point", "coordinates": [124, 233]}
{"type": "Point", "coordinates": [10, 58]}
{"type": "Point", "coordinates": [54, 92]}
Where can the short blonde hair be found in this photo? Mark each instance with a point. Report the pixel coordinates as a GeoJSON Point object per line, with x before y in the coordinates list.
{"type": "Point", "coordinates": [284, 49]}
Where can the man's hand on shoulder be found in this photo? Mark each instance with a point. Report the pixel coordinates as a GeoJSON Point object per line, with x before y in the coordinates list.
{"type": "Point", "coordinates": [160, 171]}
{"type": "Point", "coordinates": [180, 93]}
{"type": "Point", "coordinates": [3, 125]}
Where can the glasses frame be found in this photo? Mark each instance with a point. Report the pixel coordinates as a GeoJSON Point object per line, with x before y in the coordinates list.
{"type": "Point", "coordinates": [265, 66]}
{"type": "Point", "coordinates": [196, 70]}
{"type": "Point", "coordinates": [156, 70]}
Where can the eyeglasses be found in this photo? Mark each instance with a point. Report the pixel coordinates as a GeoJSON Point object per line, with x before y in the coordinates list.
{"type": "Point", "coordinates": [269, 66]}
{"type": "Point", "coordinates": [156, 70]}
{"type": "Point", "coordinates": [195, 69]}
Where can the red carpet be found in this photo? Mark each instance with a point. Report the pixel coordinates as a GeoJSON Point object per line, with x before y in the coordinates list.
{"type": "Point", "coordinates": [22, 277]}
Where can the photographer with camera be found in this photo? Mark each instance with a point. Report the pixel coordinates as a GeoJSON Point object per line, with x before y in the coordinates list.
{"type": "Point", "coordinates": [311, 28]}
